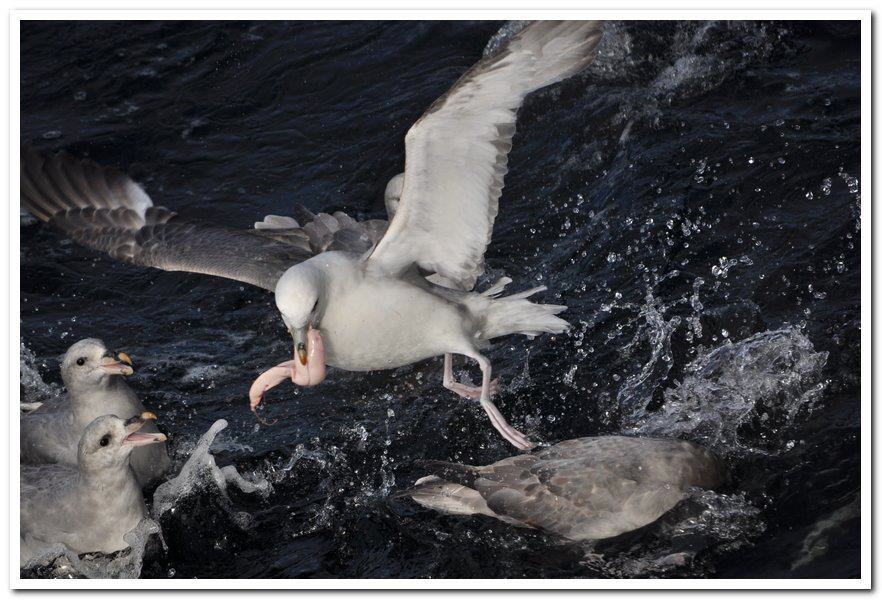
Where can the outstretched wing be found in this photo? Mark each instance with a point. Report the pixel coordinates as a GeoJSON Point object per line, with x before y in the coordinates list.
{"type": "Point", "coordinates": [104, 209]}
{"type": "Point", "coordinates": [457, 152]}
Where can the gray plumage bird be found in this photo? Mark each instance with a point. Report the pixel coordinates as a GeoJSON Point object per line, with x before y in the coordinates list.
{"type": "Point", "coordinates": [582, 489]}
{"type": "Point", "coordinates": [91, 506]}
{"type": "Point", "coordinates": [94, 378]}
{"type": "Point", "coordinates": [357, 296]}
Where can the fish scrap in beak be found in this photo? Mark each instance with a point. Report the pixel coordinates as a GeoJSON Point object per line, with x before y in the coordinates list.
{"type": "Point", "coordinates": [119, 365]}
{"type": "Point", "coordinates": [306, 369]}
{"type": "Point", "coordinates": [136, 438]}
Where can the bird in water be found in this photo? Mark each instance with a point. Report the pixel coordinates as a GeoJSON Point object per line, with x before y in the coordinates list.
{"type": "Point", "coordinates": [360, 296]}
{"type": "Point", "coordinates": [587, 488]}
{"type": "Point", "coordinates": [90, 506]}
{"type": "Point", "coordinates": [94, 378]}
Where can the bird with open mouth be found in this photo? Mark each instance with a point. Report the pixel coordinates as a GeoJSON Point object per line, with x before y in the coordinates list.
{"type": "Point", "coordinates": [360, 296]}
{"type": "Point", "coordinates": [95, 380]}
{"type": "Point", "coordinates": [91, 505]}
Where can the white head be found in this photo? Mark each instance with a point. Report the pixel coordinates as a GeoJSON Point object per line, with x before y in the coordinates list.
{"type": "Point", "coordinates": [108, 441]}
{"type": "Point", "coordinates": [89, 364]}
{"type": "Point", "coordinates": [300, 298]}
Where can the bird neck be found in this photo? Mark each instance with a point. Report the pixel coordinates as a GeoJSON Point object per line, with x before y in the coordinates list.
{"type": "Point", "coordinates": [111, 482]}
{"type": "Point", "coordinates": [109, 397]}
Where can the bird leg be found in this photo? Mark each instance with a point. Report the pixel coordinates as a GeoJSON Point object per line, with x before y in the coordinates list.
{"type": "Point", "coordinates": [514, 437]}
{"type": "Point", "coordinates": [466, 391]}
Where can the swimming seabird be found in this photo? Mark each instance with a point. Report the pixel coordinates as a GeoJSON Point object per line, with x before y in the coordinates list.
{"type": "Point", "coordinates": [91, 506]}
{"type": "Point", "coordinates": [348, 306]}
{"type": "Point", "coordinates": [95, 386]}
{"type": "Point", "coordinates": [582, 489]}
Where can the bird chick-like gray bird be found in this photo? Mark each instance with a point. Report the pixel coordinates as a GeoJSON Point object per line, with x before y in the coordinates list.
{"type": "Point", "coordinates": [93, 376]}
{"type": "Point", "coordinates": [583, 489]}
{"type": "Point", "coordinates": [91, 506]}
{"type": "Point", "coordinates": [360, 296]}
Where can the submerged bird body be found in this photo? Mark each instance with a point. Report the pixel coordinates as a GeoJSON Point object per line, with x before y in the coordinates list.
{"type": "Point", "coordinates": [375, 295]}
{"type": "Point", "coordinates": [52, 433]}
{"type": "Point", "coordinates": [91, 505]}
{"type": "Point", "coordinates": [580, 489]}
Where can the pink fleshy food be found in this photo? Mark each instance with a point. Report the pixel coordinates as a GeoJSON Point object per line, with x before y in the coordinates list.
{"type": "Point", "coordinates": [269, 379]}
{"type": "Point", "coordinates": [312, 373]}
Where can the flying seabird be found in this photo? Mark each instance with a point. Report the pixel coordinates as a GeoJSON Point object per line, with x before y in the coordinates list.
{"type": "Point", "coordinates": [352, 298]}
{"type": "Point", "coordinates": [582, 489]}
{"type": "Point", "coordinates": [91, 506]}
{"type": "Point", "coordinates": [95, 387]}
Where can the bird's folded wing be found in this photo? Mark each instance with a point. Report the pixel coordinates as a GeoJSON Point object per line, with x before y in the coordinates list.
{"type": "Point", "coordinates": [456, 153]}
{"type": "Point", "coordinates": [102, 208]}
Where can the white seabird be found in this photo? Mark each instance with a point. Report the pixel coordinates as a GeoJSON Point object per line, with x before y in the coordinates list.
{"type": "Point", "coordinates": [95, 387]}
{"type": "Point", "coordinates": [354, 307]}
{"type": "Point", "coordinates": [583, 489]}
{"type": "Point", "coordinates": [91, 506]}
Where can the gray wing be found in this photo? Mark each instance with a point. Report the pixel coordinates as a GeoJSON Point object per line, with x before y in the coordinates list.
{"type": "Point", "coordinates": [103, 209]}
{"type": "Point", "coordinates": [48, 437]}
{"type": "Point", "coordinates": [457, 152]}
{"type": "Point", "coordinates": [40, 486]}
{"type": "Point", "coordinates": [49, 512]}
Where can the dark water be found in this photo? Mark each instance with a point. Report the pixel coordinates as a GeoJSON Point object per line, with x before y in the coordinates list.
{"type": "Point", "coordinates": [692, 197]}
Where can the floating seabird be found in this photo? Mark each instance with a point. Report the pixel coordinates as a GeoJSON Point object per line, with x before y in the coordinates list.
{"type": "Point", "coordinates": [583, 489]}
{"type": "Point", "coordinates": [91, 506]}
{"type": "Point", "coordinates": [95, 387]}
{"type": "Point", "coordinates": [349, 297]}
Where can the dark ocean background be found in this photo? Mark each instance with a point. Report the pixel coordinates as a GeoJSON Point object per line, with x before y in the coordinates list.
{"type": "Point", "coordinates": [692, 197]}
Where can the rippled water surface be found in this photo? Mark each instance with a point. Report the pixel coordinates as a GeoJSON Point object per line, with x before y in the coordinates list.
{"type": "Point", "coordinates": [692, 197]}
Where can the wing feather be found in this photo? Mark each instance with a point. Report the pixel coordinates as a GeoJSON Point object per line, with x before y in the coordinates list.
{"type": "Point", "coordinates": [103, 209]}
{"type": "Point", "coordinates": [457, 152]}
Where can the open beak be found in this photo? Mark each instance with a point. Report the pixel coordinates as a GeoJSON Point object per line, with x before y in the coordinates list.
{"type": "Point", "coordinates": [135, 437]}
{"type": "Point", "coordinates": [121, 364]}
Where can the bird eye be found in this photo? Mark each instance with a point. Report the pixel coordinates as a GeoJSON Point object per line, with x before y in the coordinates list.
{"type": "Point", "coordinates": [81, 361]}
{"type": "Point", "coordinates": [105, 440]}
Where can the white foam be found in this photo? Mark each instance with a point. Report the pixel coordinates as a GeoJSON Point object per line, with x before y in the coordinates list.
{"type": "Point", "coordinates": [772, 379]}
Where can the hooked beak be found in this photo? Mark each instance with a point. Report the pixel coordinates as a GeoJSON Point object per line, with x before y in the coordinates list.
{"type": "Point", "coordinates": [300, 340]}
{"type": "Point", "coordinates": [133, 426]}
{"type": "Point", "coordinates": [119, 365]}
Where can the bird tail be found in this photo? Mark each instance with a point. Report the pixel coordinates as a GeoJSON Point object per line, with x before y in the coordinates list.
{"type": "Point", "coordinates": [516, 314]}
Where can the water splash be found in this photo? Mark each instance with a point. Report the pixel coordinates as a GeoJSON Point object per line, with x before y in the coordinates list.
{"type": "Point", "coordinates": [34, 391]}
{"type": "Point", "coordinates": [59, 562]}
{"type": "Point", "coordinates": [706, 522]}
{"type": "Point", "coordinates": [503, 35]}
{"type": "Point", "coordinates": [200, 472]}
{"type": "Point", "coordinates": [656, 331]}
{"type": "Point", "coordinates": [742, 396]}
